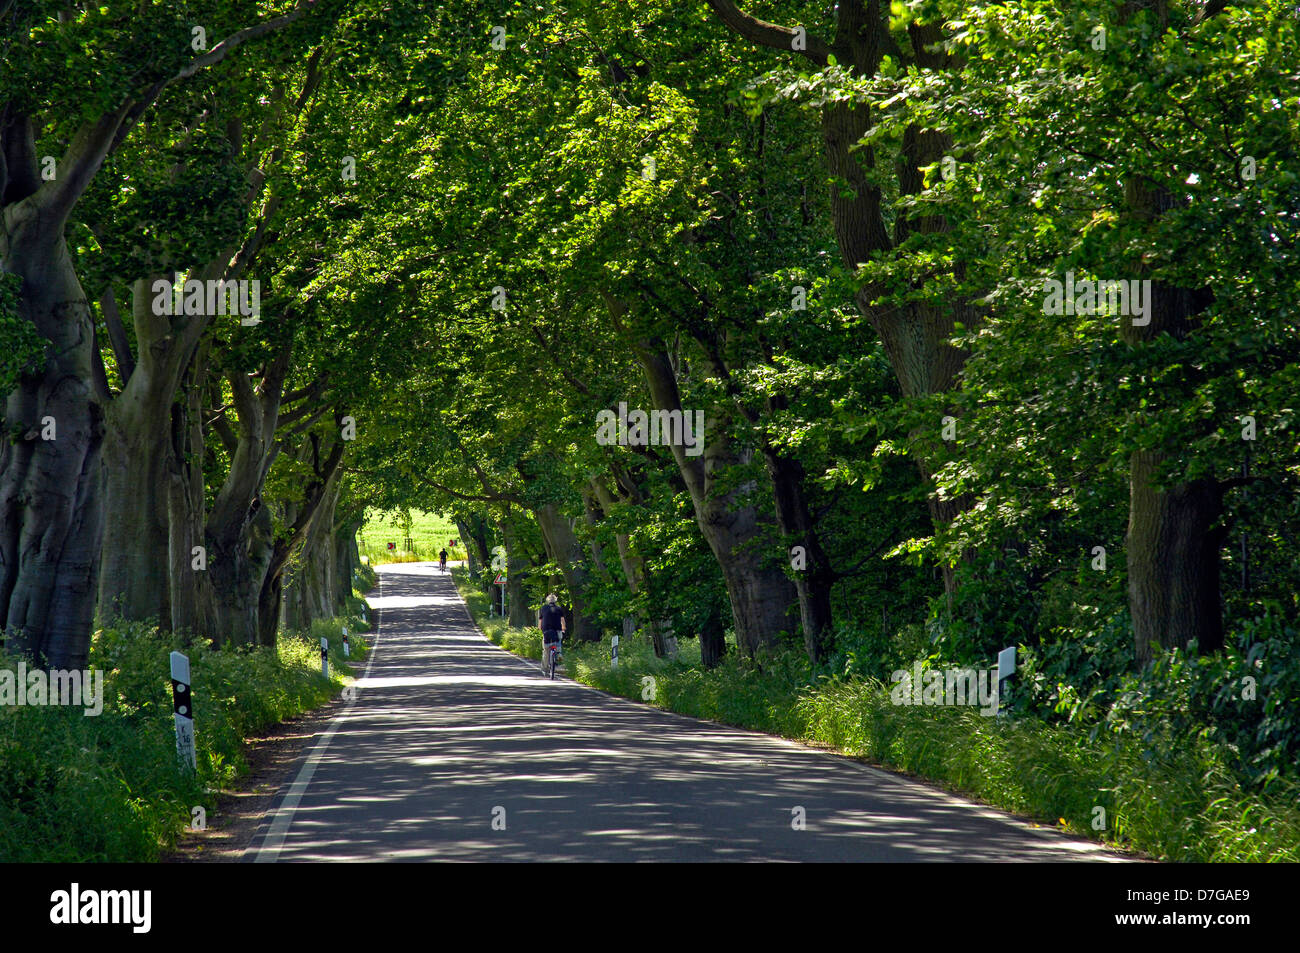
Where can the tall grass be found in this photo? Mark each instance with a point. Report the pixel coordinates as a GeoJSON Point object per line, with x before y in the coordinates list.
{"type": "Point", "coordinates": [1184, 805]}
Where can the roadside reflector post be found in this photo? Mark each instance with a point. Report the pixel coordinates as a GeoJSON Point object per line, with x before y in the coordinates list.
{"type": "Point", "coordinates": [347, 649]}
{"type": "Point", "coordinates": [500, 580]}
{"type": "Point", "coordinates": [183, 709]}
{"type": "Point", "coordinates": [325, 656]}
{"type": "Point", "coordinates": [1006, 668]}
{"type": "Point", "coordinates": [613, 657]}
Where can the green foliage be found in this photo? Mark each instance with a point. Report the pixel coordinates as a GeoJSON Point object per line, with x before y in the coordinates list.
{"type": "Point", "coordinates": [21, 345]}
{"type": "Point", "coordinates": [77, 788]}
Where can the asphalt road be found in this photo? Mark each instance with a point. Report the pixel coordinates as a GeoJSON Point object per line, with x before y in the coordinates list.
{"type": "Point", "coordinates": [456, 750]}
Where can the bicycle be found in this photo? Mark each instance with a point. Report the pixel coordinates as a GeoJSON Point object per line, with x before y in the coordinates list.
{"type": "Point", "coordinates": [552, 650]}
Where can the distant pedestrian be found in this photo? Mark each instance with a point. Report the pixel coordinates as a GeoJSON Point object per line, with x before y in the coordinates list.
{"type": "Point", "coordinates": [442, 556]}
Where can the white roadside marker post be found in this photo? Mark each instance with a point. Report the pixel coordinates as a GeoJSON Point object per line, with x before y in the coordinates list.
{"type": "Point", "coordinates": [1006, 668]}
{"type": "Point", "coordinates": [183, 709]}
{"type": "Point", "coordinates": [613, 659]}
{"type": "Point", "coordinates": [347, 649]}
{"type": "Point", "coordinates": [325, 656]}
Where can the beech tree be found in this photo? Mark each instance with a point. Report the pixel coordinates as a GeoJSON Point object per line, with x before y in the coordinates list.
{"type": "Point", "coordinates": [55, 135]}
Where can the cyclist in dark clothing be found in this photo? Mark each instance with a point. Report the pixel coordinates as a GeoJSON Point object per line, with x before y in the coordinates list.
{"type": "Point", "coordinates": [443, 556]}
{"type": "Point", "coordinates": [550, 619]}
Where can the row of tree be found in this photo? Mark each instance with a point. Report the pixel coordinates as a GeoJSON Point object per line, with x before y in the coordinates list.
{"type": "Point", "coordinates": [637, 205]}
{"type": "Point", "coordinates": [831, 232]}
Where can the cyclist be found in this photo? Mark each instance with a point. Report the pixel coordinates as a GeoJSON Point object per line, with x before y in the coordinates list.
{"type": "Point", "coordinates": [550, 619]}
{"type": "Point", "coordinates": [442, 556]}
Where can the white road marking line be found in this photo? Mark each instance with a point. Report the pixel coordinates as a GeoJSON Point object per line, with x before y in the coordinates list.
{"type": "Point", "coordinates": [274, 840]}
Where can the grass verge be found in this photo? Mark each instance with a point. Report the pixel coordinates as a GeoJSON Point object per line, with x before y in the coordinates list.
{"type": "Point", "coordinates": [108, 787]}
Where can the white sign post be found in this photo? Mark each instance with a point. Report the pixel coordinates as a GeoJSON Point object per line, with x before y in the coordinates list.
{"type": "Point", "coordinates": [1006, 668]}
{"type": "Point", "coordinates": [183, 709]}
{"type": "Point", "coordinates": [325, 656]}
{"type": "Point", "coordinates": [613, 659]}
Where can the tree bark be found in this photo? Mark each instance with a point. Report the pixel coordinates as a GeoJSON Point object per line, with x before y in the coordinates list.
{"type": "Point", "coordinates": [1174, 547]}
{"type": "Point", "coordinates": [567, 552]}
{"type": "Point", "coordinates": [301, 515]}
{"type": "Point", "coordinates": [634, 569]}
{"type": "Point", "coordinates": [138, 464]}
{"type": "Point", "coordinates": [473, 531]}
{"type": "Point", "coordinates": [713, 641]}
{"type": "Point", "coordinates": [812, 583]}
{"type": "Point", "coordinates": [238, 529]}
{"type": "Point", "coordinates": [758, 588]}
{"type": "Point", "coordinates": [191, 594]}
{"type": "Point", "coordinates": [520, 614]}
{"type": "Point", "coordinates": [309, 591]}
{"type": "Point", "coordinates": [51, 504]}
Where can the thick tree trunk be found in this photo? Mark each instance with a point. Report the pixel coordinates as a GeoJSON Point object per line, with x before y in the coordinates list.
{"type": "Point", "coordinates": [300, 519]}
{"type": "Point", "coordinates": [138, 463]}
{"type": "Point", "coordinates": [713, 641]}
{"type": "Point", "coordinates": [1174, 539]}
{"type": "Point", "coordinates": [520, 613]}
{"type": "Point", "coordinates": [309, 583]}
{"type": "Point", "coordinates": [567, 552]}
{"type": "Point", "coordinates": [813, 582]}
{"type": "Point", "coordinates": [190, 589]}
{"type": "Point", "coordinates": [238, 530]}
{"type": "Point", "coordinates": [757, 586]}
{"type": "Point", "coordinates": [1173, 561]}
{"type": "Point", "coordinates": [51, 505]}
{"type": "Point", "coordinates": [473, 533]}
{"type": "Point", "coordinates": [346, 562]}
{"type": "Point", "coordinates": [238, 555]}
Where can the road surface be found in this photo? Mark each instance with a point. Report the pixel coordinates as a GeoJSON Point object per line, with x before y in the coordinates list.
{"type": "Point", "coordinates": [457, 750]}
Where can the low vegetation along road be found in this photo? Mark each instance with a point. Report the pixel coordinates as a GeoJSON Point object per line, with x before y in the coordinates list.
{"type": "Point", "coordinates": [454, 749]}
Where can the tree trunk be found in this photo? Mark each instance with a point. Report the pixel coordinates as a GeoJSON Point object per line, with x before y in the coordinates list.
{"type": "Point", "coordinates": [520, 612]}
{"type": "Point", "coordinates": [758, 588]}
{"type": "Point", "coordinates": [473, 533]}
{"type": "Point", "coordinates": [309, 583]}
{"type": "Point", "coordinates": [1173, 538]}
{"type": "Point", "coordinates": [134, 580]}
{"type": "Point", "coordinates": [634, 571]}
{"type": "Point", "coordinates": [238, 530]}
{"type": "Point", "coordinates": [813, 582]}
{"type": "Point", "coordinates": [51, 505]}
{"type": "Point", "coordinates": [713, 641]}
{"type": "Point", "coordinates": [190, 589]}
{"type": "Point", "coordinates": [1173, 561]}
{"type": "Point", "coordinates": [346, 562]}
{"type": "Point", "coordinates": [915, 334]}
{"type": "Point", "coordinates": [567, 552]}
{"type": "Point", "coordinates": [300, 518]}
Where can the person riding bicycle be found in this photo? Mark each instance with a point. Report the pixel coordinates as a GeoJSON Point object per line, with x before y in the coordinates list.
{"type": "Point", "coordinates": [550, 619]}
{"type": "Point", "coordinates": [442, 555]}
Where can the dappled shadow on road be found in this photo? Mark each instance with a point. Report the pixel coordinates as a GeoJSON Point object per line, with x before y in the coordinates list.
{"type": "Point", "coordinates": [451, 738]}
